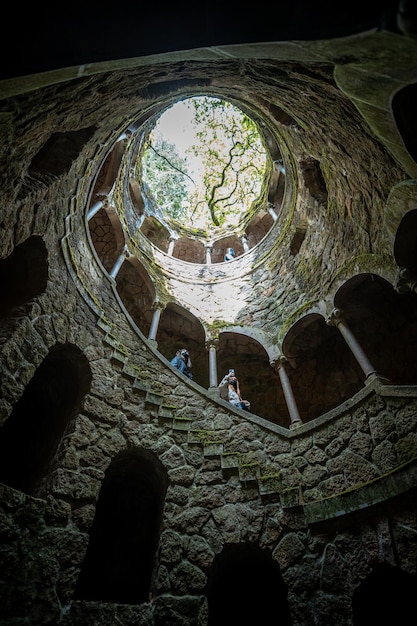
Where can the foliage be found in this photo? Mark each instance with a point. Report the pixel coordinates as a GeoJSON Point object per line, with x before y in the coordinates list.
{"type": "Point", "coordinates": [221, 171]}
{"type": "Point", "coordinates": [164, 172]}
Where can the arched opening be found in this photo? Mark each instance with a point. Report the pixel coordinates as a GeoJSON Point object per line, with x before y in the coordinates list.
{"type": "Point", "coordinates": [385, 597]}
{"type": "Point", "coordinates": [30, 437]}
{"type": "Point", "coordinates": [178, 328]}
{"type": "Point", "coordinates": [107, 236]}
{"type": "Point", "coordinates": [23, 274]}
{"type": "Point", "coordinates": [258, 226]}
{"type": "Point", "coordinates": [321, 368]}
{"type": "Point", "coordinates": [405, 244]}
{"type": "Point", "coordinates": [384, 322]}
{"type": "Point", "coordinates": [220, 247]}
{"type": "Point", "coordinates": [190, 250]}
{"type": "Point", "coordinates": [245, 587]}
{"type": "Point", "coordinates": [257, 380]}
{"type": "Point", "coordinates": [404, 105]}
{"type": "Point", "coordinates": [124, 535]}
{"type": "Point", "coordinates": [137, 293]}
{"type": "Point", "coordinates": [156, 232]}
{"type": "Point", "coordinates": [109, 170]}
{"type": "Point", "coordinates": [59, 152]}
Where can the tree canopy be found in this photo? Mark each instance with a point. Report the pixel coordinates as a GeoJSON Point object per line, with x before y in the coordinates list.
{"type": "Point", "coordinates": [203, 162]}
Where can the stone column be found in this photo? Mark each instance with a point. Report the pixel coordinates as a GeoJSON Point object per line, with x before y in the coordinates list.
{"type": "Point", "coordinates": [118, 264]}
{"type": "Point", "coordinates": [212, 354]}
{"type": "Point", "coordinates": [208, 254]}
{"type": "Point", "coordinates": [211, 347]}
{"type": "Point", "coordinates": [295, 419]}
{"type": "Point", "coordinates": [140, 221]}
{"type": "Point", "coordinates": [245, 243]}
{"type": "Point", "coordinates": [155, 321]}
{"type": "Point", "coordinates": [125, 135]}
{"type": "Point", "coordinates": [336, 319]}
{"type": "Point", "coordinates": [94, 209]}
{"type": "Point", "coordinates": [272, 212]}
{"type": "Point", "coordinates": [171, 245]}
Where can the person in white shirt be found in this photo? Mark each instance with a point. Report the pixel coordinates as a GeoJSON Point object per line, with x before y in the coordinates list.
{"type": "Point", "coordinates": [230, 391]}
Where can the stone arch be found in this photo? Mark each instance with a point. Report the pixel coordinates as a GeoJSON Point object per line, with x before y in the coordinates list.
{"type": "Point", "coordinates": [298, 238]}
{"type": "Point", "coordinates": [107, 236]}
{"type": "Point", "coordinates": [109, 170]}
{"type": "Point", "coordinates": [384, 322]}
{"type": "Point", "coordinates": [191, 250]}
{"type": "Point", "coordinates": [314, 179]}
{"type": "Point", "coordinates": [59, 152]}
{"type": "Point", "coordinates": [401, 199]}
{"type": "Point", "coordinates": [385, 597]}
{"type": "Point", "coordinates": [320, 366]}
{"type": "Point", "coordinates": [156, 232]}
{"type": "Point", "coordinates": [259, 384]}
{"type": "Point", "coordinates": [405, 244]}
{"type": "Point", "coordinates": [23, 274]}
{"type": "Point", "coordinates": [258, 227]}
{"type": "Point", "coordinates": [137, 292]}
{"type": "Point", "coordinates": [124, 535]}
{"type": "Point", "coordinates": [179, 328]}
{"type": "Point", "coordinates": [404, 105]}
{"type": "Point", "coordinates": [30, 438]}
{"type": "Point", "coordinates": [136, 196]}
{"type": "Point", "coordinates": [245, 586]}
{"type": "Point", "coordinates": [220, 246]}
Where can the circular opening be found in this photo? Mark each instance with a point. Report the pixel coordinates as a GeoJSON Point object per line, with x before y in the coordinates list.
{"type": "Point", "coordinates": [203, 164]}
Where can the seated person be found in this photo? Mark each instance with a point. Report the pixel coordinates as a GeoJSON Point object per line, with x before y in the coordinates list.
{"type": "Point", "coordinates": [182, 362]}
{"type": "Point", "coordinates": [230, 391]}
{"type": "Point", "coordinates": [230, 254]}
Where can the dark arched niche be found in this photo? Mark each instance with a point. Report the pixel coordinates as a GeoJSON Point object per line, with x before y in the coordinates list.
{"type": "Point", "coordinates": [109, 170]}
{"type": "Point", "coordinates": [220, 247]}
{"type": "Point", "coordinates": [405, 245]}
{"type": "Point", "coordinates": [125, 532]}
{"type": "Point", "coordinates": [257, 380]}
{"type": "Point", "coordinates": [179, 328]}
{"type": "Point", "coordinates": [137, 293]}
{"type": "Point", "coordinates": [404, 106]}
{"type": "Point", "coordinates": [107, 236]}
{"type": "Point", "coordinates": [190, 250]}
{"type": "Point", "coordinates": [322, 369]}
{"type": "Point", "coordinates": [23, 274]}
{"type": "Point", "coordinates": [59, 152]}
{"type": "Point", "coordinates": [384, 323]}
{"type": "Point", "coordinates": [245, 587]}
{"type": "Point", "coordinates": [156, 232]}
{"type": "Point", "coordinates": [29, 439]}
{"type": "Point", "coordinates": [385, 597]}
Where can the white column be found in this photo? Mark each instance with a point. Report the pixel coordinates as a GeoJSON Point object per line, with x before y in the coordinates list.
{"type": "Point", "coordinates": [95, 209]}
{"type": "Point", "coordinates": [155, 322]}
{"type": "Point", "coordinates": [288, 394]}
{"type": "Point", "coordinates": [171, 246]}
{"type": "Point", "coordinates": [336, 319]}
{"type": "Point", "coordinates": [213, 382]}
{"type": "Point", "coordinates": [272, 212]}
{"type": "Point", "coordinates": [118, 264]}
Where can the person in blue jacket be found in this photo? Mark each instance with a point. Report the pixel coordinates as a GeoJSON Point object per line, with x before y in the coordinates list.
{"type": "Point", "coordinates": [230, 254]}
{"type": "Point", "coordinates": [182, 362]}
